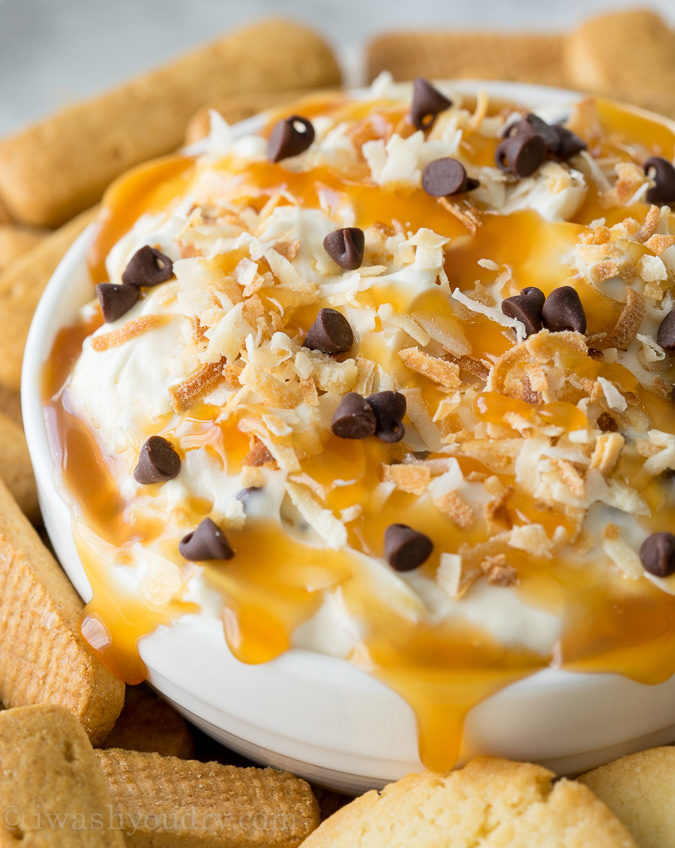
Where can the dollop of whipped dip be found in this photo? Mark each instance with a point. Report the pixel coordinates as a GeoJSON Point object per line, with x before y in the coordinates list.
{"type": "Point", "coordinates": [409, 360]}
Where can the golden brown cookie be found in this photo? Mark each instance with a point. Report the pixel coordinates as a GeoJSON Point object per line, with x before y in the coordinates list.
{"type": "Point", "coordinates": [21, 286]}
{"type": "Point", "coordinates": [492, 803]}
{"type": "Point", "coordinates": [640, 790]}
{"type": "Point", "coordinates": [451, 54]}
{"type": "Point", "coordinates": [627, 55]}
{"type": "Point", "coordinates": [16, 239]}
{"type": "Point", "coordinates": [149, 723]}
{"type": "Point", "coordinates": [61, 165]}
{"type": "Point", "coordinates": [237, 108]}
{"type": "Point", "coordinates": [43, 657]}
{"type": "Point", "coordinates": [16, 469]}
{"type": "Point", "coordinates": [52, 792]}
{"type": "Point", "coordinates": [172, 803]}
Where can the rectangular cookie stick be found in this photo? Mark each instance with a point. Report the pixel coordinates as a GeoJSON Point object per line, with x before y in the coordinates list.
{"type": "Point", "coordinates": [453, 54]}
{"type": "Point", "coordinates": [16, 469]}
{"type": "Point", "coordinates": [206, 804]}
{"type": "Point", "coordinates": [52, 792]}
{"type": "Point", "coordinates": [43, 657]}
{"type": "Point", "coordinates": [21, 286]}
{"type": "Point", "coordinates": [60, 166]}
{"type": "Point", "coordinates": [16, 239]}
{"type": "Point", "coordinates": [148, 723]}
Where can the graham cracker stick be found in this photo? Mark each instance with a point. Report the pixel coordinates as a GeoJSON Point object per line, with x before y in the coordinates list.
{"type": "Point", "coordinates": [627, 55]}
{"type": "Point", "coordinates": [43, 657]}
{"type": "Point", "coordinates": [21, 286]}
{"type": "Point", "coordinates": [52, 792]}
{"type": "Point", "coordinates": [206, 804]}
{"type": "Point", "coordinates": [16, 469]}
{"type": "Point", "coordinates": [469, 55]}
{"type": "Point", "coordinates": [15, 240]}
{"type": "Point", "coordinates": [238, 107]}
{"type": "Point", "coordinates": [148, 723]}
{"type": "Point", "coordinates": [60, 166]}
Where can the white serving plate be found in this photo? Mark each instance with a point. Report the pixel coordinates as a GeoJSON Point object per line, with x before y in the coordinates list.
{"type": "Point", "coordinates": [315, 715]}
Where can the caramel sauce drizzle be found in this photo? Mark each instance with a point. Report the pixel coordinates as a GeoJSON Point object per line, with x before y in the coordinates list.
{"type": "Point", "coordinates": [442, 670]}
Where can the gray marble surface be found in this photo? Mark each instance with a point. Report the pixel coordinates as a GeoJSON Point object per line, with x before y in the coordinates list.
{"type": "Point", "coordinates": [52, 51]}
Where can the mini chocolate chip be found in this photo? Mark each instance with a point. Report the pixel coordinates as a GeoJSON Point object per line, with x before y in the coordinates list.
{"type": "Point", "coordinates": [427, 103]}
{"type": "Point", "coordinates": [330, 333]}
{"type": "Point", "coordinates": [404, 548]}
{"type": "Point", "coordinates": [657, 554]}
{"type": "Point", "coordinates": [532, 124]}
{"type": "Point", "coordinates": [206, 541]}
{"type": "Point", "coordinates": [290, 137]}
{"type": "Point", "coordinates": [563, 311]}
{"type": "Point", "coordinates": [607, 423]}
{"type": "Point", "coordinates": [526, 307]}
{"type": "Point", "coordinates": [389, 409]}
{"type": "Point", "coordinates": [354, 418]}
{"type": "Point", "coordinates": [445, 177]}
{"type": "Point", "coordinates": [594, 353]}
{"type": "Point", "coordinates": [521, 154]}
{"type": "Point", "coordinates": [666, 334]}
{"type": "Point", "coordinates": [116, 300]}
{"type": "Point", "coordinates": [148, 267]}
{"type": "Point", "coordinates": [346, 247]}
{"type": "Point", "coordinates": [157, 462]}
{"type": "Point", "coordinates": [663, 173]}
{"type": "Point", "coordinates": [568, 143]}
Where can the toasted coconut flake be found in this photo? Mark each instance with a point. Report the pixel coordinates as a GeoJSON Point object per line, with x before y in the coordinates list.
{"type": "Point", "coordinates": [388, 315]}
{"type": "Point", "coordinates": [273, 391]}
{"type": "Point", "coordinates": [571, 478]}
{"type": "Point", "coordinates": [321, 520]}
{"type": "Point", "coordinates": [621, 554]}
{"type": "Point", "coordinates": [464, 213]}
{"type": "Point", "coordinates": [259, 455]}
{"type": "Point", "coordinates": [496, 509]}
{"type": "Point", "coordinates": [454, 577]}
{"type": "Point", "coordinates": [365, 376]}
{"type": "Point", "coordinates": [615, 400]}
{"type": "Point", "coordinates": [202, 381]}
{"type": "Point", "coordinates": [647, 230]}
{"type": "Point", "coordinates": [129, 331]}
{"type": "Point", "coordinates": [454, 507]}
{"type": "Point", "coordinates": [629, 321]}
{"type": "Point", "coordinates": [652, 269]}
{"type": "Point", "coordinates": [531, 538]}
{"type": "Point", "coordinates": [498, 572]}
{"type": "Point", "coordinates": [447, 332]}
{"type": "Point", "coordinates": [407, 478]}
{"type": "Point", "coordinates": [439, 370]}
{"type": "Point", "coordinates": [253, 476]}
{"type": "Point", "coordinates": [491, 312]}
{"type": "Point", "coordinates": [608, 447]}
{"type": "Point", "coordinates": [421, 419]}
{"type": "Point", "coordinates": [659, 243]}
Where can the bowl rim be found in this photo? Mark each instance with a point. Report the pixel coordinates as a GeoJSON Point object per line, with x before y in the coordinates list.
{"type": "Point", "coordinates": [42, 333]}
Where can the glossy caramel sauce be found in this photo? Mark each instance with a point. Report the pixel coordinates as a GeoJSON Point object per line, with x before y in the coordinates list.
{"type": "Point", "coordinates": [275, 582]}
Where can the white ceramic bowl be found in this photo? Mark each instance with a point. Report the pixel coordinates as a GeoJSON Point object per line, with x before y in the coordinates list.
{"type": "Point", "coordinates": [318, 716]}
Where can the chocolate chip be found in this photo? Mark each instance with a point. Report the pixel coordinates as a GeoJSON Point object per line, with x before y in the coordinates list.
{"type": "Point", "coordinates": [563, 311]}
{"type": "Point", "coordinates": [526, 307]}
{"type": "Point", "coordinates": [330, 333]}
{"type": "Point", "coordinates": [354, 418]}
{"type": "Point", "coordinates": [657, 554]}
{"type": "Point", "coordinates": [532, 124]}
{"type": "Point", "coordinates": [445, 177]}
{"type": "Point", "coordinates": [427, 103]}
{"type": "Point", "coordinates": [346, 247]}
{"type": "Point", "coordinates": [404, 548]}
{"type": "Point", "coordinates": [116, 300]}
{"type": "Point", "coordinates": [663, 173]}
{"type": "Point", "coordinates": [666, 334]}
{"type": "Point", "coordinates": [245, 495]}
{"type": "Point", "coordinates": [521, 154]}
{"type": "Point", "coordinates": [206, 541]}
{"type": "Point", "coordinates": [607, 423]}
{"type": "Point", "coordinates": [290, 137]}
{"type": "Point", "coordinates": [147, 267]}
{"type": "Point", "coordinates": [568, 143]}
{"type": "Point", "coordinates": [157, 462]}
{"type": "Point", "coordinates": [389, 409]}
{"type": "Point", "coordinates": [595, 353]}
